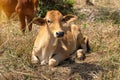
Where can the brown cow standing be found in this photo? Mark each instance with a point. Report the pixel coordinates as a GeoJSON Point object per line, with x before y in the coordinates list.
{"type": "Point", "coordinates": [8, 6]}
{"type": "Point", "coordinates": [26, 9]}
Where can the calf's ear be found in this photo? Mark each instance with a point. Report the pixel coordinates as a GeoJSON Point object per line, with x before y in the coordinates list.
{"type": "Point", "coordinates": [69, 18]}
{"type": "Point", "coordinates": [39, 21]}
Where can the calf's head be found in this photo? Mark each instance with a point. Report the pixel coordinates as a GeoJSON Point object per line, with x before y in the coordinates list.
{"type": "Point", "coordinates": [54, 21]}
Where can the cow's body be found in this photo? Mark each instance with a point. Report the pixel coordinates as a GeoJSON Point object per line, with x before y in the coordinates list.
{"type": "Point", "coordinates": [50, 32]}
{"type": "Point", "coordinates": [52, 50]}
{"type": "Point", "coordinates": [8, 6]}
{"type": "Point", "coordinates": [26, 10]}
{"type": "Point", "coordinates": [44, 45]}
{"type": "Point", "coordinates": [73, 42]}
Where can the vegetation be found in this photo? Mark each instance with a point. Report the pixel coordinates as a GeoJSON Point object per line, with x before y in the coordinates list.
{"type": "Point", "coordinates": [65, 6]}
{"type": "Point", "coordinates": [100, 23]}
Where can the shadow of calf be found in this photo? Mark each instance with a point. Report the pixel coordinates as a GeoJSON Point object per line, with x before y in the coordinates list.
{"type": "Point", "coordinates": [85, 71]}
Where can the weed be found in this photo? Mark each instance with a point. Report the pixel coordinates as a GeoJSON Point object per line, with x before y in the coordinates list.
{"type": "Point", "coordinates": [64, 6]}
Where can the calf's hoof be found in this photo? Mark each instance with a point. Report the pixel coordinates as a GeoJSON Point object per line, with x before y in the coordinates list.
{"type": "Point", "coordinates": [80, 55]}
{"type": "Point", "coordinates": [52, 63]}
{"type": "Point", "coordinates": [34, 60]}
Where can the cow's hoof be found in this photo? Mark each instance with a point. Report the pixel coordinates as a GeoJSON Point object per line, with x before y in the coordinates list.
{"type": "Point", "coordinates": [83, 57]}
{"type": "Point", "coordinates": [52, 62]}
{"type": "Point", "coordinates": [80, 55]}
{"type": "Point", "coordinates": [34, 60]}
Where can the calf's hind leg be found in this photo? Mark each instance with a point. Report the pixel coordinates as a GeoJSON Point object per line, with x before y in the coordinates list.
{"type": "Point", "coordinates": [80, 54]}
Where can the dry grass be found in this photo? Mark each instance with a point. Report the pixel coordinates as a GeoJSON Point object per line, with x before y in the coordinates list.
{"type": "Point", "coordinates": [102, 64]}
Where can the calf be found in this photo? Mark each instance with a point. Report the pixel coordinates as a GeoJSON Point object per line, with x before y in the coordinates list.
{"type": "Point", "coordinates": [26, 9]}
{"type": "Point", "coordinates": [51, 31]}
{"type": "Point", "coordinates": [73, 42]}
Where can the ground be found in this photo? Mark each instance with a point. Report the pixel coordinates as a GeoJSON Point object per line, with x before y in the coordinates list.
{"type": "Point", "coordinates": [102, 63]}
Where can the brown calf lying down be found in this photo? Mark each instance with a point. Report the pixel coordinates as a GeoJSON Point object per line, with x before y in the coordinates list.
{"type": "Point", "coordinates": [51, 30]}
{"type": "Point", "coordinates": [73, 42]}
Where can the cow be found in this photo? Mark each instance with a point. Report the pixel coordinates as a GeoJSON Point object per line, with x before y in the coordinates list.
{"type": "Point", "coordinates": [50, 32]}
{"type": "Point", "coordinates": [26, 9]}
{"type": "Point", "coordinates": [73, 43]}
{"type": "Point", "coordinates": [8, 6]}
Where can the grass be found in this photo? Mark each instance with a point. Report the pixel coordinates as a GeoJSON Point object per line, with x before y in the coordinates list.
{"type": "Point", "coordinates": [104, 40]}
{"type": "Point", "coordinates": [102, 64]}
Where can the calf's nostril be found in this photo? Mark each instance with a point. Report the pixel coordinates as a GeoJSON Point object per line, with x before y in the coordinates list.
{"type": "Point", "coordinates": [59, 34]}
{"type": "Point", "coordinates": [62, 33]}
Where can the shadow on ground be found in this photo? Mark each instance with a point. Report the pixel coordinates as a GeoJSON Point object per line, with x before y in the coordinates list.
{"type": "Point", "coordinates": [86, 71]}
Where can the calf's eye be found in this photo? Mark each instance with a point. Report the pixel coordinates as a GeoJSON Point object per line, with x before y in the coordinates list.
{"type": "Point", "coordinates": [63, 20]}
{"type": "Point", "coordinates": [49, 21]}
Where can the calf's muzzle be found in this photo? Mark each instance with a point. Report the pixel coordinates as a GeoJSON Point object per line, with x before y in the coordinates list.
{"type": "Point", "coordinates": [59, 34]}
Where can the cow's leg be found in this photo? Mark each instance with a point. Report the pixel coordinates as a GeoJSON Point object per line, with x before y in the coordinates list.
{"type": "Point", "coordinates": [86, 40]}
{"type": "Point", "coordinates": [34, 58]}
{"type": "Point", "coordinates": [81, 43]}
{"type": "Point", "coordinates": [35, 7]}
{"type": "Point", "coordinates": [45, 59]}
{"type": "Point", "coordinates": [56, 59]}
{"type": "Point", "coordinates": [29, 23]}
{"type": "Point", "coordinates": [8, 14]}
{"type": "Point", "coordinates": [22, 22]}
